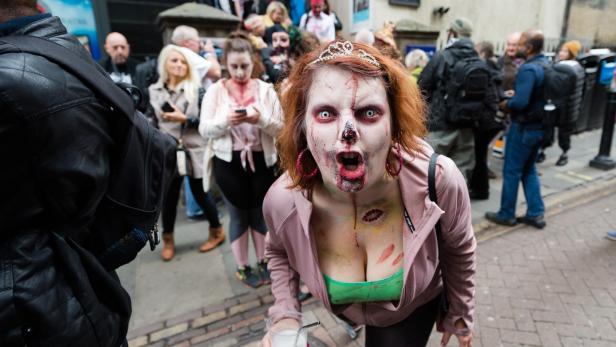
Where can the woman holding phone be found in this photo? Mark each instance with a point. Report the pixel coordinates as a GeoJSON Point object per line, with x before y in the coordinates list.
{"type": "Point", "coordinates": [240, 117]}
{"type": "Point", "coordinates": [175, 101]}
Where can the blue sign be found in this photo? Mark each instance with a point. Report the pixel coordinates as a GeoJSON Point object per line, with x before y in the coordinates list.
{"type": "Point", "coordinates": [78, 18]}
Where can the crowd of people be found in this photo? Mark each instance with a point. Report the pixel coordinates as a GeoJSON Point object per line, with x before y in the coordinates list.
{"type": "Point", "coordinates": [350, 166]}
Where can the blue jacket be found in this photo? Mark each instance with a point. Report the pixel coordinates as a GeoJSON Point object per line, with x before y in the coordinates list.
{"type": "Point", "coordinates": [528, 88]}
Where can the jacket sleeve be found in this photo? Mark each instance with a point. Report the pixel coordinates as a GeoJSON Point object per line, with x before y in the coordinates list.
{"type": "Point", "coordinates": [270, 120]}
{"type": "Point", "coordinates": [524, 83]}
{"type": "Point", "coordinates": [428, 78]}
{"type": "Point", "coordinates": [285, 280]}
{"type": "Point", "coordinates": [266, 58]}
{"type": "Point", "coordinates": [211, 126]}
{"type": "Point", "coordinates": [458, 246]}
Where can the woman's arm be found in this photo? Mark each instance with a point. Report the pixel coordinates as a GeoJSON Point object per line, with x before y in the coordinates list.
{"type": "Point", "coordinates": [457, 247]}
{"type": "Point", "coordinates": [270, 120]}
{"type": "Point", "coordinates": [285, 280]}
{"type": "Point", "coordinates": [210, 125]}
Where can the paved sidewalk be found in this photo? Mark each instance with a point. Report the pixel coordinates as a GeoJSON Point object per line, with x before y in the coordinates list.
{"type": "Point", "coordinates": [554, 287]}
{"type": "Point", "coordinates": [162, 291]}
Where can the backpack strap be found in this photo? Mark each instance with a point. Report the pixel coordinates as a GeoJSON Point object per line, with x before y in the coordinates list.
{"type": "Point", "coordinates": [432, 189]}
{"type": "Point", "coordinates": [444, 302]}
{"type": "Point", "coordinates": [87, 72]}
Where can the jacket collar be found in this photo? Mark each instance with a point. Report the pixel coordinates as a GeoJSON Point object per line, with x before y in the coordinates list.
{"type": "Point", "coordinates": [13, 25]}
{"type": "Point", "coordinates": [538, 57]}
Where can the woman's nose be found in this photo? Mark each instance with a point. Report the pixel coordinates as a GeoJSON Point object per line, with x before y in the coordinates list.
{"type": "Point", "coordinates": [349, 133]}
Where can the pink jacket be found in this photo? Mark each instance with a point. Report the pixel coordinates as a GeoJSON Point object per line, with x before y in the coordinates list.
{"type": "Point", "coordinates": [291, 248]}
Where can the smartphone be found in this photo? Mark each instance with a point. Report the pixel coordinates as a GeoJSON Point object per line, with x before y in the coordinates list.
{"type": "Point", "coordinates": [166, 107]}
{"type": "Point", "coordinates": [241, 111]}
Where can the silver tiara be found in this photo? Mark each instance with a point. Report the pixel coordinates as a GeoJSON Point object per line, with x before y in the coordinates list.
{"type": "Point", "coordinates": [344, 49]}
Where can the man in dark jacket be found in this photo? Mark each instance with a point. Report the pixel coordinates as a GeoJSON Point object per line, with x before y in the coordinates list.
{"type": "Point", "coordinates": [118, 63]}
{"type": "Point", "coordinates": [524, 137]}
{"type": "Point", "coordinates": [55, 143]}
{"type": "Point", "coordinates": [451, 140]}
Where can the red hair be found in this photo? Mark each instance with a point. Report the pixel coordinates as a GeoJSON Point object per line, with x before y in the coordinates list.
{"type": "Point", "coordinates": [405, 101]}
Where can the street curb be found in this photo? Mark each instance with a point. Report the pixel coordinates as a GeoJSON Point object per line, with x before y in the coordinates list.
{"type": "Point", "coordinates": [241, 319]}
{"type": "Point", "coordinates": [555, 204]}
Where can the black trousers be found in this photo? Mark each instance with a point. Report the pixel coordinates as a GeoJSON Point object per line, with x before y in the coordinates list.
{"type": "Point", "coordinates": [243, 188]}
{"type": "Point", "coordinates": [170, 204]}
{"type": "Point", "coordinates": [479, 182]}
{"type": "Point", "coordinates": [414, 331]}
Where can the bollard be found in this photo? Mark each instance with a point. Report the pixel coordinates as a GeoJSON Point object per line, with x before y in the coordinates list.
{"type": "Point", "coordinates": [602, 160]}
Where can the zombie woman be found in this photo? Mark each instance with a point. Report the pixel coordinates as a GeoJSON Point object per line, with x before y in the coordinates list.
{"type": "Point", "coordinates": [352, 217]}
{"type": "Point", "coordinates": [240, 118]}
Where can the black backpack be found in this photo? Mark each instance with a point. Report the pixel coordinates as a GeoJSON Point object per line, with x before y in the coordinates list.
{"type": "Point", "coordinates": [141, 167]}
{"type": "Point", "coordinates": [469, 94]}
{"type": "Point", "coordinates": [558, 85]}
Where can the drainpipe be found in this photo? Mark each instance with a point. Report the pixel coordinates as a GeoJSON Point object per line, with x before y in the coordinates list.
{"type": "Point", "coordinates": [565, 27]}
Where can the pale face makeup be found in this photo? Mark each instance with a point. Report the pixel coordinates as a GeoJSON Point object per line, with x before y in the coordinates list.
{"type": "Point", "coordinates": [239, 65]}
{"type": "Point", "coordinates": [348, 128]}
{"type": "Point", "coordinates": [280, 39]}
{"type": "Point", "coordinates": [176, 65]}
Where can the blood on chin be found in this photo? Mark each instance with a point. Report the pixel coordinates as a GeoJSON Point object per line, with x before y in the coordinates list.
{"type": "Point", "coordinates": [352, 178]}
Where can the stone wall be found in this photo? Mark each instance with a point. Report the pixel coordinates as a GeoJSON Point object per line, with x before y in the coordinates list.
{"type": "Point", "coordinates": [493, 20]}
{"type": "Point", "coordinates": [592, 22]}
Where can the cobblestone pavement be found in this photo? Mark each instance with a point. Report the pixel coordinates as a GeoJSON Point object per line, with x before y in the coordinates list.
{"type": "Point", "coordinates": [206, 279]}
{"type": "Point", "coordinates": [551, 287]}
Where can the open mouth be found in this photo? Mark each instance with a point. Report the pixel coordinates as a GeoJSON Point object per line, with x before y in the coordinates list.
{"type": "Point", "coordinates": [351, 165]}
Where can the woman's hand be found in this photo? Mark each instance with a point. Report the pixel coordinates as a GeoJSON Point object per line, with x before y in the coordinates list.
{"type": "Point", "coordinates": [287, 323]}
{"type": "Point", "coordinates": [235, 117]}
{"type": "Point", "coordinates": [463, 341]}
{"type": "Point", "coordinates": [253, 115]}
{"type": "Point", "coordinates": [175, 116]}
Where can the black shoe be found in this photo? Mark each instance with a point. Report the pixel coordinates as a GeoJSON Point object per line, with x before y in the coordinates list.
{"type": "Point", "coordinates": [475, 195]}
{"type": "Point", "coordinates": [562, 160]}
{"type": "Point", "coordinates": [537, 222]}
{"type": "Point", "coordinates": [540, 157]}
{"type": "Point", "coordinates": [264, 272]}
{"type": "Point", "coordinates": [248, 277]}
{"type": "Point", "coordinates": [495, 218]}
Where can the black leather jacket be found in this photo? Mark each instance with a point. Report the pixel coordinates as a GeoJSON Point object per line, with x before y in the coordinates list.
{"type": "Point", "coordinates": [55, 145]}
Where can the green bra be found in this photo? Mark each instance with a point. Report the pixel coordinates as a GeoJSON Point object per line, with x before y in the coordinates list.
{"type": "Point", "coordinates": [387, 289]}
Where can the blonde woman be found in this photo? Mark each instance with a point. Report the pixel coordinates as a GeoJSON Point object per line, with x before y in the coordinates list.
{"type": "Point", "coordinates": [276, 13]}
{"type": "Point", "coordinates": [175, 100]}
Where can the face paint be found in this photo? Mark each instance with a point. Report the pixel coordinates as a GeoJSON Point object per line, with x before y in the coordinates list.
{"type": "Point", "coordinates": [387, 252]}
{"type": "Point", "coordinates": [373, 216]}
{"type": "Point", "coordinates": [348, 126]}
{"type": "Point", "coordinates": [398, 259]}
{"type": "Point", "coordinates": [349, 134]}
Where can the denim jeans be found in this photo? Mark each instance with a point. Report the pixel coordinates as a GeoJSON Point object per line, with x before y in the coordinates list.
{"type": "Point", "coordinates": [193, 210]}
{"type": "Point", "coordinates": [523, 143]}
